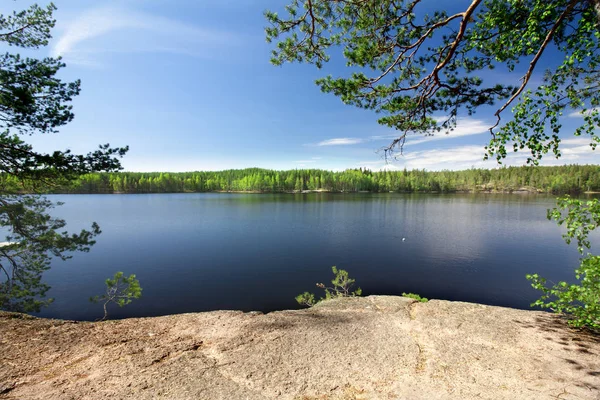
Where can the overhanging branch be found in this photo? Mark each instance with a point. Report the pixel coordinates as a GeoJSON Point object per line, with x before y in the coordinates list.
{"type": "Point", "coordinates": [532, 64]}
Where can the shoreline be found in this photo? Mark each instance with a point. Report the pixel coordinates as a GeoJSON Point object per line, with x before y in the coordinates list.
{"type": "Point", "coordinates": [319, 191]}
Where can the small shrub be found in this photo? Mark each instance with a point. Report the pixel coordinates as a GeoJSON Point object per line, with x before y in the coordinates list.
{"type": "Point", "coordinates": [306, 299]}
{"type": "Point", "coordinates": [416, 297]}
{"type": "Point", "coordinates": [579, 302]}
{"type": "Point", "coordinates": [342, 287]}
{"type": "Point", "coordinates": [120, 290]}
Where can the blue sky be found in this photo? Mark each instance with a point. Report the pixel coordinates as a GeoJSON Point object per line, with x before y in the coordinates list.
{"type": "Point", "coordinates": [190, 87]}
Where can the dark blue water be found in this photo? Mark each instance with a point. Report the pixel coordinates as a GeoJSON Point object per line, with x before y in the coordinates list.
{"type": "Point", "coordinates": [199, 252]}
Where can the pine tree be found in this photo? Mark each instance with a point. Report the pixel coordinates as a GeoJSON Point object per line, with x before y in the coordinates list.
{"type": "Point", "coordinates": [34, 100]}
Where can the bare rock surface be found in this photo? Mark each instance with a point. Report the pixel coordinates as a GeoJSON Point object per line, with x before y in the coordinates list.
{"type": "Point", "coordinates": [378, 347]}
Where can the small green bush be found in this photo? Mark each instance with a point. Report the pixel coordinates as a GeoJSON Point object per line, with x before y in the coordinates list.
{"type": "Point", "coordinates": [416, 297]}
{"type": "Point", "coordinates": [342, 285]}
{"type": "Point", "coordinates": [120, 290]}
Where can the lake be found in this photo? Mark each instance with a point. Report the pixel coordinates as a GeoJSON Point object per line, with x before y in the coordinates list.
{"type": "Point", "coordinates": [209, 251]}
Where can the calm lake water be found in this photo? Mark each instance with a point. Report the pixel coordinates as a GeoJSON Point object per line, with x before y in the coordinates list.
{"type": "Point", "coordinates": [200, 252]}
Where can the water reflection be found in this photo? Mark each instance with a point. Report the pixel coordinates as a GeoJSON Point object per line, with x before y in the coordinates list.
{"type": "Point", "coordinates": [196, 252]}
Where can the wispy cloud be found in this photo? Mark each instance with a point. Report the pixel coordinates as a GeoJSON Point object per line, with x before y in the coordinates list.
{"type": "Point", "coordinates": [581, 113]}
{"type": "Point", "coordinates": [464, 127]}
{"type": "Point", "coordinates": [577, 150]}
{"type": "Point", "coordinates": [389, 136]}
{"type": "Point", "coordinates": [454, 158]}
{"type": "Point", "coordinates": [136, 32]}
{"type": "Point", "coordinates": [575, 147]}
{"type": "Point", "coordinates": [575, 141]}
{"type": "Point", "coordinates": [370, 162]}
{"type": "Point", "coordinates": [340, 142]}
{"type": "Point", "coordinates": [464, 157]}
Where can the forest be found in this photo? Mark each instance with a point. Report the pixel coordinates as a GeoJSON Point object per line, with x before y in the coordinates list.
{"type": "Point", "coordinates": [558, 179]}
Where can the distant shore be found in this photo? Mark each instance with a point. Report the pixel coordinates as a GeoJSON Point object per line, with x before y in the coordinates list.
{"type": "Point", "coordinates": [458, 191]}
{"type": "Point", "coordinates": [461, 191]}
{"type": "Point", "coordinates": [573, 179]}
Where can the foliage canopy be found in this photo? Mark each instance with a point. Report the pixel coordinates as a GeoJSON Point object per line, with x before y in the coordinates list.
{"type": "Point", "coordinates": [580, 301]}
{"type": "Point", "coordinates": [422, 67]}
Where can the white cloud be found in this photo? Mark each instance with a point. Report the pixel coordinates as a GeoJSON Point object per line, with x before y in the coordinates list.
{"type": "Point", "coordinates": [453, 158]}
{"type": "Point", "coordinates": [305, 161]}
{"type": "Point", "coordinates": [340, 142]}
{"type": "Point", "coordinates": [581, 113]}
{"type": "Point", "coordinates": [137, 32]}
{"type": "Point", "coordinates": [575, 141]}
{"type": "Point", "coordinates": [464, 127]}
{"type": "Point", "coordinates": [370, 162]}
{"type": "Point", "coordinates": [577, 150]}
{"type": "Point", "coordinates": [465, 157]}
{"type": "Point", "coordinates": [389, 136]}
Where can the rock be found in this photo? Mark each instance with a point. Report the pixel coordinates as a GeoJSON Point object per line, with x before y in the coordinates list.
{"type": "Point", "coordinates": [377, 347]}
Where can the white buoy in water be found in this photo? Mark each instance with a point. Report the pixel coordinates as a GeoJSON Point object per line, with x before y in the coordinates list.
{"type": "Point", "coordinates": [403, 239]}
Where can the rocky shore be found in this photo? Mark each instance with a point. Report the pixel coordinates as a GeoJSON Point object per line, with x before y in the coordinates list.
{"type": "Point", "coordinates": [377, 347]}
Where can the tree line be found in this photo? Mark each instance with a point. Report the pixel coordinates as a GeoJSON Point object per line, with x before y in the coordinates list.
{"type": "Point", "coordinates": [558, 179]}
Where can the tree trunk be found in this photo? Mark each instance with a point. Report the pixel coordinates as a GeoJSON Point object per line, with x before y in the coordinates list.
{"type": "Point", "coordinates": [596, 5]}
